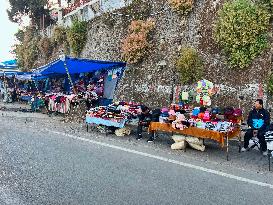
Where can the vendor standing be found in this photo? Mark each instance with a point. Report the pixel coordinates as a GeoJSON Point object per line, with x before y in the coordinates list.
{"type": "Point", "coordinates": [258, 121]}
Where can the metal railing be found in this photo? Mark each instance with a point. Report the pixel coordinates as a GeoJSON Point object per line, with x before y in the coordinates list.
{"type": "Point", "coordinates": [48, 31]}
{"type": "Point", "coordinates": [85, 10]}
{"type": "Point", "coordinates": [74, 6]}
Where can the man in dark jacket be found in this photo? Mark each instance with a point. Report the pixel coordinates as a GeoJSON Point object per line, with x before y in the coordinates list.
{"type": "Point", "coordinates": [144, 119]}
{"type": "Point", "coordinates": [258, 121]}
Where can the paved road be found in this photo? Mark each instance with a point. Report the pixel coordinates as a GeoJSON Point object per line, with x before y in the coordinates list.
{"type": "Point", "coordinates": [41, 165]}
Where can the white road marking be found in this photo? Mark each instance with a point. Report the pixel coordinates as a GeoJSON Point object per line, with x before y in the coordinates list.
{"type": "Point", "coordinates": [188, 165]}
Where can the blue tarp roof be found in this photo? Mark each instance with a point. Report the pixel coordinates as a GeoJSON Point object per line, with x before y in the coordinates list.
{"type": "Point", "coordinates": [76, 65]}
{"type": "Point", "coordinates": [11, 64]}
{"type": "Point", "coordinates": [7, 73]}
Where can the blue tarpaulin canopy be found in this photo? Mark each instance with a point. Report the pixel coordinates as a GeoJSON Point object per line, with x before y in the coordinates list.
{"type": "Point", "coordinates": [8, 73]}
{"type": "Point", "coordinates": [11, 64]}
{"type": "Point", "coordinates": [76, 65]}
{"type": "Point", "coordinates": [24, 75]}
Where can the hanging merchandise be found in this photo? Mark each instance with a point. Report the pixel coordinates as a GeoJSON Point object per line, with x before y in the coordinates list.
{"type": "Point", "coordinates": [116, 73]}
{"type": "Point", "coordinates": [177, 93]}
{"type": "Point", "coordinates": [185, 96]}
{"type": "Point", "coordinates": [110, 75]}
{"type": "Point", "coordinates": [204, 86]}
{"type": "Point", "coordinates": [198, 98]}
{"type": "Point", "coordinates": [204, 89]}
{"type": "Point", "coordinates": [46, 84]}
{"type": "Point", "coordinates": [206, 100]}
{"type": "Point", "coordinates": [114, 76]}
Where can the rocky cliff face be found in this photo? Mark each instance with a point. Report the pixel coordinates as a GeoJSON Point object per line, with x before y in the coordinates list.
{"type": "Point", "coordinates": [152, 80]}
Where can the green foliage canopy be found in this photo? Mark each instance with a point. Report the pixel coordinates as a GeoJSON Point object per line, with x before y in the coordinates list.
{"type": "Point", "coordinates": [241, 30]}
{"type": "Point", "coordinates": [34, 8]}
{"type": "Point", "coordinates": [77, 37]}
{"type": "Point", "coordinates": [190, 66]}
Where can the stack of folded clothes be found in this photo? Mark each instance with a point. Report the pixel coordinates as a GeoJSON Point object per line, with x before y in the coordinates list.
{"type": "Point", "coordinates": [117, 111]}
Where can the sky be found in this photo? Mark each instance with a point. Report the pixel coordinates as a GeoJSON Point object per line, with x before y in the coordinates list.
{"type": "Point", "coordinates": [8, 29]}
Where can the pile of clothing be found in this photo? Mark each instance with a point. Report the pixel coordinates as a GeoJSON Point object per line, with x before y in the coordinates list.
{"type": "Point", "coordinates": [175, 111]}
{"type": "Point", "coordinates": [117, 111]}
{"type": "Point", "coordinates": [127, 107]}
{"type": "Point", "coordinates": [216, 119]}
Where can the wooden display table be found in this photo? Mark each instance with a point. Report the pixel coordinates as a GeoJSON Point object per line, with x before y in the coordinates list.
{"type": "Point", "coordinates": [220, 137]}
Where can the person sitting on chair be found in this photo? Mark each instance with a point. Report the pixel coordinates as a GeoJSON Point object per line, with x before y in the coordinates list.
{"type": "Point", "coordinates": [258, 121]}
{"type": "Point", "coordinates": [144, 118]}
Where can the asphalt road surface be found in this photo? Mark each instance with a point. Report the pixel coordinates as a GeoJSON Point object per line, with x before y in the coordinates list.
{"type": "Point", "coordinates": [40, 164]}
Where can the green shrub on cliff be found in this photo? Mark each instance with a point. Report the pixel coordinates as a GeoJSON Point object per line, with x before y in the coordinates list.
{"type": "Point", "coordinates": [77, 37]}
{"type": "Point", "coordinates": [270, 84]}
{"type": "Point", "coordinates": [189, 66]}
{"type": "Point", "coordinates": [182, 6]}
{"type": "Point", "coordinates": [27, 49]}
{"type": "Point", "coordinates": [45, 47]}
{"type": "Point", "coordinates": [241, 30]}
{"type": "Point", "coordinates": [59, 35]}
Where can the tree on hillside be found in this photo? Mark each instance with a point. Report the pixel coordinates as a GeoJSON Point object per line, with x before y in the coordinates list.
{"type": "Point", "coordinates": [34, 8]}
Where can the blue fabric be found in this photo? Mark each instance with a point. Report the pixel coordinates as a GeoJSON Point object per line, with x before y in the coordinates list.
{"type": "Point", "coordinates": [25, 98]}
{"type": "Point", "coordinates": [67, 85]}
{"type": "Point", "coordinates": [105, 102]}
{"type": "Point", "coordinates": [258, 123]}
{"type": "Point", "coordinates": [76, 66]}
{"type": "Point", "coordinates": [109, 123]}
{"type": "Point", "coordinates": [195, 112]}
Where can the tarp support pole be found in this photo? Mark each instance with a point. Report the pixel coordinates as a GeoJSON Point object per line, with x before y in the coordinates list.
{"type": "Point", "coordinates": [69, 77]}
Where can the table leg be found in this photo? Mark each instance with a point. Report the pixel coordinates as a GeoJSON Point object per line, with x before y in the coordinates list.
{"type": "Point", "coordinates": [269, 163]}
{"type": "Point", "coordinates": [227, 148]}
{"type": "Point", "coordinates": [240, 143]}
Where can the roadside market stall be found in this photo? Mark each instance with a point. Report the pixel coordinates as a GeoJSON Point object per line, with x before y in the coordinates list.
{"type": "Point", "coordinates": [114, 116]}
{"type": "Point", "coordinates": [200, 122]}
{"type": "Point", "coordinates": [200, 133]}
{"type": "Point", "coordinates": [79, 83]}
